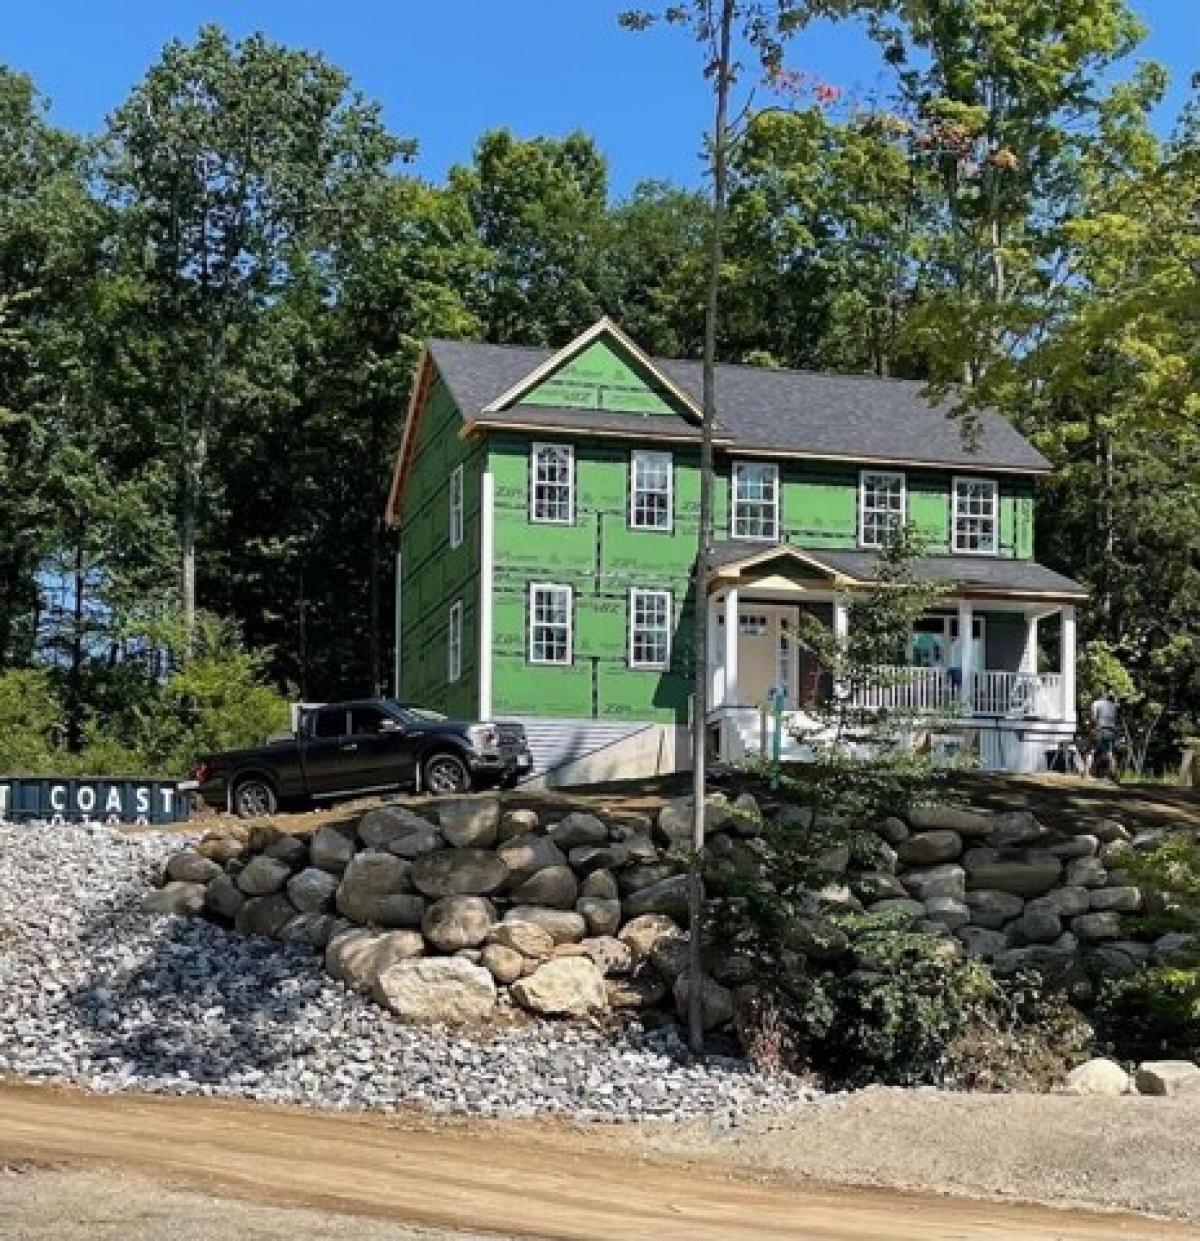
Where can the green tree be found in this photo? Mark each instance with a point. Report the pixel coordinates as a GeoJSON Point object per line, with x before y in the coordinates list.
{"type": "Point", "coordinates": [232, 167]}
{"type": "Point", "coordinates": [540, 214]}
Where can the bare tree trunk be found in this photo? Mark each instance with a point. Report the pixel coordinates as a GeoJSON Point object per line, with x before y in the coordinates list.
{"type": "Point", "coordinates": [75, 682]}
{"type": "Point", "coordinates": [193, 473]}
{"type": "Point", "coordinates": [723, 71]}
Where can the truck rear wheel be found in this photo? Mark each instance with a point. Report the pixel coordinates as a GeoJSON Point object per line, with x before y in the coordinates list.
{"type": "Point", "coordinates": [254, 797]}
{"type": "Point", "coordinates": [445, 773]}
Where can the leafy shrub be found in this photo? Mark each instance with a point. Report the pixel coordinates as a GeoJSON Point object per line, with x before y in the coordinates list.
{"type": "Point", "coordinates": [30, 716]}
{"type": "Point", "coordinates": [1157, 1011]}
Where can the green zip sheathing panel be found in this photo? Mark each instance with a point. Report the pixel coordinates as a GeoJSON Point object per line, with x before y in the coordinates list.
{"type": "Point", "coordinates": [435, 576]}
{"type": "Point", "coordinates": [600, 378]}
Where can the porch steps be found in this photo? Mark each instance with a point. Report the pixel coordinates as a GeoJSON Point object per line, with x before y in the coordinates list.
{"type": "Point", "coordinates": [555, 743]}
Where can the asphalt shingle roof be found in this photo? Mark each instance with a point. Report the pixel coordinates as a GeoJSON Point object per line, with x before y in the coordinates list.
{"type": "Point", "coordinates": [848, 416]}
{"type": "Point", "coordinates": [968, 572]}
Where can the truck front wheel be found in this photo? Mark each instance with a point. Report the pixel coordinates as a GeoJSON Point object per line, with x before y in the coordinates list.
{"type": "Point", "coordinates": [445, 773]}
{"type": "Point", "coordinates": [254, 797]}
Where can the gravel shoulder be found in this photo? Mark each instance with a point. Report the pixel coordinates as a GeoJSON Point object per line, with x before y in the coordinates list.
{"type": "Point", "coordinates": [533, 1179]}
{"type": "Point", "coordinates": [1138, 1154]}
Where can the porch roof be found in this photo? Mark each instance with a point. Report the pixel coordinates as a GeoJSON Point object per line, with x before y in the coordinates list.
{"type": "Point", "coordinates": [972, 575]}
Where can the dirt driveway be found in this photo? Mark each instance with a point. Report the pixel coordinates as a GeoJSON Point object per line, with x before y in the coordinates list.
{"type": "Point", "coordinates": [512, 1180]}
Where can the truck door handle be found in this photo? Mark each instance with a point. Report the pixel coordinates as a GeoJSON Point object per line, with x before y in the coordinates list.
{"type": "Point", "coordinates": [351, 746]}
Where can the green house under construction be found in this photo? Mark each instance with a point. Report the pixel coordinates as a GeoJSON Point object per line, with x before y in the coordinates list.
{"type": "Point", "coordinates": [547, 506]}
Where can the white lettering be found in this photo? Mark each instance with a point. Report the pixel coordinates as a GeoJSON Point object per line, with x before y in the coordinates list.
{"type": "Point", "coordinates": [167, 796]}
{"type": "Point", "coordinates": [113, 801]}
{"type": "Point", "coordinates": [4, 791]}
{"type": "Point", "coordinates": [143, 801]}
{"type": "Point", "coordinates": [85, 798]}
{"type": "Point", "coordinates": [58, 797]}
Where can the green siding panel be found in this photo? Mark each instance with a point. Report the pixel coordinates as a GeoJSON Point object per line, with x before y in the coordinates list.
{"type": "Point", "coordinates": [434, 575]}
{"type": "Point", "coordinates": [599, 378]}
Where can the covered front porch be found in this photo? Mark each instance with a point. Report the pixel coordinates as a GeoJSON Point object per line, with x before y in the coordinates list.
{"type": "Point", "coordinates": [974, 677]}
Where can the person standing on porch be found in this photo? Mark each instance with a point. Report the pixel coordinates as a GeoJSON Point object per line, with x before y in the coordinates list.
{"type": "Point", "coordinates": [1104, 722]}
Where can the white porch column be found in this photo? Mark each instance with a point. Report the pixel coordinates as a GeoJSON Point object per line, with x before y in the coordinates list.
{"type": "Point", "coordinates": [966, 651]}
{"type": "Point", "coordinates": [716, 655]}
{"type": "Point", "coordinates": [1029, 652]}
{"type": "Point", "coordinates": [731, 647]}
{"type": "Point", "coordinates": [841, 631]}
{"type": "Point", "coordinates": [1068, 662]}
{"type": "Point", "coordinates": [487, 573]}
{"type": "Point", "coordinates": [397, 627]}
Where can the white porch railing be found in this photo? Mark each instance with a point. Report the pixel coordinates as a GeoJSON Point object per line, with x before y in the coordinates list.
{"type": "Point", "coordinates": [1016, 694]}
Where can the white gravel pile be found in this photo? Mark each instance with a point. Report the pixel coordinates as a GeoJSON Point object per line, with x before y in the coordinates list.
{"type": "Point", "coordinates": [96, 992]}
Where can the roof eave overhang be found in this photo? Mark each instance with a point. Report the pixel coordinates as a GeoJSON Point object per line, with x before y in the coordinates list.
{"type": "Point", "coordinates": [422, 379]}
{"type": "Point", "coordinates": [482, 423]}
{"type": "Point", "coordinates": [801, 454]}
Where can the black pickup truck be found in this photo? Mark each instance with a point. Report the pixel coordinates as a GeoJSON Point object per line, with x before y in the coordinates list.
{"type": "Point", "coordinates": [346, 748]}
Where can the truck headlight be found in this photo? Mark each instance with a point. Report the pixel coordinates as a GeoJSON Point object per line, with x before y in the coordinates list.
{"type": "Point", "coordinates": [484, 736]}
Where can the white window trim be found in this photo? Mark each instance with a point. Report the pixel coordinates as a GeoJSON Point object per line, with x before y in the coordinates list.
{"type": "Point", "coordinates": [635, 592]}
{"type": "Point", "coordinates": [454, 643]}
{"type": "Point", "coordinates": [534, 587]}
{"type": "Point", "coordinates": [754, 538]}
{"type": "Point", "coordinates": [976, 551]}
{"type": "Point", "coordinates": [534, 449]}
{"type": "Point", "coordinates": [862, 501]}
{"type": "Point", "coordinates": [456, 506]}
{"type": "Point", "coordinates": [643, 455]}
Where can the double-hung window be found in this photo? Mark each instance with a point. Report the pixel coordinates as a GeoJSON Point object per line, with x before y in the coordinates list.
{"type": "Point", "coordinates": [454, 644]}
{"type": "Point", "coordinates": [550, 637]}
{"type": "Point", "coordinates": [976, 516]}
{"type": "Point", "coordinates": [755, 507]}
{"type": "Point", "coordinates": [552, 493]}
{"type": "Point", "coordinates": [650, 491]}
{"type": "Point", "coordinates": [880, 507]}
{"type": "Point", "coordinates": [649, 628]}
{"type": "Point", "coordinates": [456, 506]}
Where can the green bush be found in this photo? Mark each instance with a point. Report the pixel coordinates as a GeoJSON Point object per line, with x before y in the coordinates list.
{"type": "Point", "coordinates": [1157, 1011]}
{"type": "Point", "coordinates": [30, 717]}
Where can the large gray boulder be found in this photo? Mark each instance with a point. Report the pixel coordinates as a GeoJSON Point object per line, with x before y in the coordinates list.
{"type": "Point", "coordinates": [635, 878]}
{"type": "Point", "coordinates": [1032, 877]}
{"type": "Point", "coordinates": [263, 876]}
{"type": "Point", "coordinates": [517, 823]}
{"type": "Point", "coordinates": [928, 848]}
{"type": "Point", "coordinates": [505, 965]}
{"type": "Point", "coordinates": [1074, 847]}
{"type": "Point", "coordinates": [945, 880]}
{"type": "Point", "coordinates": [175, 897]}
{"type": "Point", "coordinates": [289, 849]}
{"type": "Point", "coordinates": [459, 872]}
{"type": "Point", "coordinates": [332, 848]}
{"type": "Point", "coordinates": [554, 887]}
{"type": "Point", "coordinates": [1087, 872]}
{"type": "Point", "coordinates": [527, 938]}
{"type": "Point", "coordinates": [374, 872]}
{"type": "Point", "coordinates": [602, 917]}
{"type": "Point", "coordinates": [609, 954]}
{"type": "Point", "coordinates": [716, 1001]}
{"type": "Point", "coordinates": [315, 930]}
{"type": "Point", "coordinates": [1016, 827]}
{"type": "Point", "coordinates": [578, 829]}
{"type": "Point", "coordinates": [1168, 1077]}
{"type": "Point", "coordinates": [191, 867]}
{"type": "Point", "coordinates": [992, 909]}
{"type": "Point", "coordinates": [470, 822]}
{"type": "Point", "coordinates": [1097, 1077]}
{"type": "Point", "coordinates": [643, 932]}
{"type": "Point", "coordinates": [675, 818]}
{"type": "Point", "coordinates": [950, 818]}
{"type": "Point", "coordinates": [379, 828]}
{"type": "Point", "coordinates": [981, 942]}
{"type": "Point", "coordinates": [312, 890]}
{"type": "Point", "coordinates": [563, 987]}
{"type": "Point", "coordinates": [1096, 927]}
{"type": "Point", "coordinates": [223, 897]}
{"type": "Point", "coordinates": [264, 915]}
{"type": "Point", "coordinates": [564, 926]}
{"type": "Point", "coordinates": [1126, 900]}
{"type": "Point", "coordinates": [947, 911]}
{"type": "Point", "coordinates": [1036, 926]}
{"type": "Point", "coordinates": [456, 922]}
{"type": "Point", "coordinates": [600, 885]}
{"type": "Point", "coordinates": [527, 854]}
{"type": "Point", "coordinates": [1062, 902]}
{"type": "Point", "coordinates": [437, 990]}
{"type": "Point", "coordinates": [668, 896]}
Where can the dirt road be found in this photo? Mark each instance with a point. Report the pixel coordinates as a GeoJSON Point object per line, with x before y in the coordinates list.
{"type": "Point", "coordinates": [515, 1180]}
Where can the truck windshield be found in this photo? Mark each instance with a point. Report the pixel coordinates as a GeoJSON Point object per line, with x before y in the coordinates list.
{"type": "Point", "coordinates": [419, 713]}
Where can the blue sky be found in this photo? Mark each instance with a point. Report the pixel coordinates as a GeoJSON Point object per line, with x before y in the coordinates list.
{"type": "Point", "coordinates": [445, 72]}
